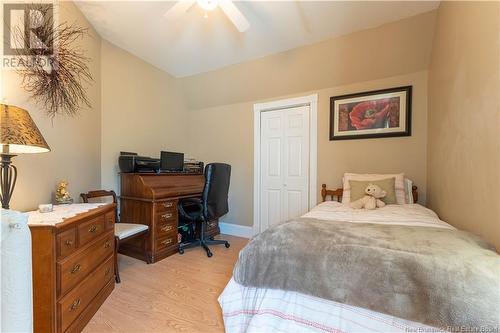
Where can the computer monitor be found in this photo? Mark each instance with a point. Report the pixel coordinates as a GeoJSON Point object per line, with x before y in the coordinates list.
{"type": "Point", "coordinates": [170, 161]}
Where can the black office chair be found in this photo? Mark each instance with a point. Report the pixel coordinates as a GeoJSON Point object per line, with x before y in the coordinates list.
{"type": "Point", "coordinates": [211, 206]}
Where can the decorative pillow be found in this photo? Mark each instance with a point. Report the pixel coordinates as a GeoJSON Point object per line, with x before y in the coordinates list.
{"type": "Point", "coordinates": [409, 191]}
{"type": "Point", "coordinates": [399, 186]}
{"type": "Point", "coordinates": [358, 189]}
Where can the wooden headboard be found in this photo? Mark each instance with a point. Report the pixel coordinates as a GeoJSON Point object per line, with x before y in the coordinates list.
{"type": "Point", "coordinates": [337, 193]}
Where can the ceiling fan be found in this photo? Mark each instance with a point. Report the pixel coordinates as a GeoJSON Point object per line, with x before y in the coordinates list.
{"type": "Point", "coordinates": [227, 6]}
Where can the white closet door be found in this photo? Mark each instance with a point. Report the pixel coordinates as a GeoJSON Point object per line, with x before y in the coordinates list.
{"type": "Point", "coordinates": [295, 163]}
{"type": "Point", "coordinates": [271, 168]}
{"type": "Point", "coordinates": [284, 165]}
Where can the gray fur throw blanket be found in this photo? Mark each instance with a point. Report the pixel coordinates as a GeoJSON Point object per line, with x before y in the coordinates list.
{"type": "Point", "coordinates": [444, 278]}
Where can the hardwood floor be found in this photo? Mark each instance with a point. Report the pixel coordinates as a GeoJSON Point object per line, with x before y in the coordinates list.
{"type": "Point", "coordinates": [177, 294]}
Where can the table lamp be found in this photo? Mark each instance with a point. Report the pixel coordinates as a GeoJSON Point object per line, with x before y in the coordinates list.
{"type": "Point", "coordinates": [18, 135]}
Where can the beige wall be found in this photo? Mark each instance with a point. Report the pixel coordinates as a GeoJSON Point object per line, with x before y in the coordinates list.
{"type": "Point", "coordinates": [464, 123]}
{"type": "Point", "coordinates": [221, 104]}
{"type": "Point", "coordinates": [392, 49]}
{"type": "Point", "coordinates": [143, 111]}
{"type": "Point", "coordinates": [75, 141]}
{"type": "Point", "coordinates": [225, 134]}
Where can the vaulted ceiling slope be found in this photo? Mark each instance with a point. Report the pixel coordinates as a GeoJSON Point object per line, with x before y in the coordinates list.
{"type": "Point", "coordinates": [193, 44]}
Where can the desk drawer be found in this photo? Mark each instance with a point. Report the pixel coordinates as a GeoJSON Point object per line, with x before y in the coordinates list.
{"type": "Point", "coordinates": [166, 228]}
{"type": "Point", "coordinates": [166, 217]}
{"type": "Point", "coordinates": [211, 226]}
{"type": "Point", "coordinates": [166, 242]}
{"type": "Point", "coordinates": [66, 243]}
{"type": "Point", "coordinates": [166, 206]}
{"type": "Point", "coordinates": [90, 230]}
{"type": "Point", "coordinates": [80, 297]}
{"type": "Point", "coordinates": [74, 269]}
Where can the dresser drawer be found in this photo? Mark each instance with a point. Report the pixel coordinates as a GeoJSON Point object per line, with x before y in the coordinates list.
{"type": "Point", "coordinates": [90, 230]}
{"type": "Point", "coordinates": [66, 243]}
{"type": "Point", "coordinates": [109, 220]}
{"type": "Point", "coordinates": [166, 206]}
{"type": "Point", "coordinates": [74, 269]}
{"type": "Point", "coordinates": [71, 305]}
{"type": "Point", "coordinates": [166, 242]}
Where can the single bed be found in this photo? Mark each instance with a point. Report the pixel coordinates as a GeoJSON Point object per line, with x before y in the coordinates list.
{"type": "Point", "coordinates": [263, 304]}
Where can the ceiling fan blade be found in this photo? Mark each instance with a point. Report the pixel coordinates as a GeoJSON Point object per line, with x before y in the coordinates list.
{"type": "Point", "coordinates": [178, 9]}
{"type": "Point", "coordinates": [234, 14]}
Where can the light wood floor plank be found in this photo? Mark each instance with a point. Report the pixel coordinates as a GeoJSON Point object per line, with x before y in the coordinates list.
{"type": "Point", "coordinates": [177, 294]}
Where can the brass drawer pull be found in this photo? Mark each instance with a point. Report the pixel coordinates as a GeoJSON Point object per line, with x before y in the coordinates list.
{"type": "Point", "coordinates": [75, 269]}
{"type": "Point", "coordinates": [68, 243]}
{"type": "Point", "coordinates": [107, 271]}
{"type": "Point", "coordinates": [93, 228]}
{"type": "Point", "coordinates": [168, 204]}
{"type": "Point", "coordinates": [107, 244]}
{"type": "Point", "coordinates": [211, 225]}
{"type": "Point", "coordinates": [75, 304]}
{"type": "Point", "coordinates": [167, 241]}
{"type": "Point", "coordinates": [166, 228]}
{"type": "Point", "coordinates": [166, 216]}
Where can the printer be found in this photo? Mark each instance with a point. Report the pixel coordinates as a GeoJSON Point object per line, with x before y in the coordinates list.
{"type": "Point", "coordinates": [131, 162]}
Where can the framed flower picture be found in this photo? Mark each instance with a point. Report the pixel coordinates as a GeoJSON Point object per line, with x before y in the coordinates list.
{"type": "Point", "coordinates": [372, 114]}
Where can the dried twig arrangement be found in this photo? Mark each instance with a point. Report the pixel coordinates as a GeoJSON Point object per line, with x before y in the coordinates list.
{"type": "Point", "coordinates": [55, 78]}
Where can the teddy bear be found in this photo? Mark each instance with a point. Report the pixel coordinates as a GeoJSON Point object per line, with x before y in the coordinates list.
{"type": "Point", "coordinates": [372, 198]}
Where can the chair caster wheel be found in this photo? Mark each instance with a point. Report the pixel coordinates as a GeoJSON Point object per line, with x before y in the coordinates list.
{"type": "Point", "coordinates": [181, 251]}
{"type": "Point", "coordinates": [227, 245]}
{"type": "Point", "coordinates": [209, 254]}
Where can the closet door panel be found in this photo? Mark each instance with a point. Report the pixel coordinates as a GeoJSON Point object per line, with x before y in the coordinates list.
{"type": "Point", "coordinates": [271, 168]}
{"type": "Point", "coordinates": [296, 162]}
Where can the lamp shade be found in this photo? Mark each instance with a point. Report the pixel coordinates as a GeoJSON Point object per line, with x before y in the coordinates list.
{"type": "Point", "coordinates": [19, 134]}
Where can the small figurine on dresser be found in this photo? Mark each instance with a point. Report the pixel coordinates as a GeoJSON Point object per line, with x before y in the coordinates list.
{"type": "Point", "coordinates": [62, 193]}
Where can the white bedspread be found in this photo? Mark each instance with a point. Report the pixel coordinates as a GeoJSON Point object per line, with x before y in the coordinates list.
{"type": "Point", "coordinates": [410, 214]}
{"type": "Point", "coordinates": [259, 310]}
{"type": "Point", "coordinates": [251, 310]}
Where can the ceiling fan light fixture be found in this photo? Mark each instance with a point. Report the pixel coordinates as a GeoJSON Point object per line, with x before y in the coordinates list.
{"type": "Point", "coordinates": [208, 4]}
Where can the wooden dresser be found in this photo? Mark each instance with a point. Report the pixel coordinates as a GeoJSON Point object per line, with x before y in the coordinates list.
{"type": "Point", "coordinates": [72, 266]}
{"type": "Point", "coordinates": [149, 198]}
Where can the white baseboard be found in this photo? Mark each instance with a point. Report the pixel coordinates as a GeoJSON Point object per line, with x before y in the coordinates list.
{"type": "Point", "coordinates": [235, 230]}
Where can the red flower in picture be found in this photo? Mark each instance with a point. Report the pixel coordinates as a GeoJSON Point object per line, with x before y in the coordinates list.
{"type": "Point", "coordinates": [370, 114]}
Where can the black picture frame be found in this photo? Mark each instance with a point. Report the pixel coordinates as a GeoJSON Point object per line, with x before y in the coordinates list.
{"type": "Point", "coordinates": [380, 133]}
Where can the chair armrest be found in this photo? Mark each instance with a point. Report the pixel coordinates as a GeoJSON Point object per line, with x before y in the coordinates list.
{"type": "Point", "coordinates": [192, 201]}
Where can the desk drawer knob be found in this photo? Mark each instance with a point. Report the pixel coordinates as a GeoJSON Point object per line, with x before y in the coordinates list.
{"type": "Point", "coordinates": [166, 216]}
{"type": "Point", "coordinates": [168, 204]}
{"type": "Point", "coordinates": [93, 228]}
{"type": "Point", "coordinates": [75, 269]}
{"type": "Point", "coordinates": [107, 271]}
{"type": "Point", "coordinates": [167, 228]}
{"type": "Point", "coordinates": [75, 304]}
{"type": "Point", "coordinates": [68, 243]}
{"type": "Point", "coordinates": [107, 245]}
{"type": "Point", "coordinates": [167, 241]}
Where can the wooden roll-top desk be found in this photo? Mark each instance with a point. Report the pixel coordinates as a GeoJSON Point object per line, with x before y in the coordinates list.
{"type": "Point", "coordinates": [151, 199]}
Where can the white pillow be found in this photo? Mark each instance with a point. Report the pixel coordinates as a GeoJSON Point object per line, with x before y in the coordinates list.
{"type": "Point", "coordinates": [409, 191]}
{"type": "Point", "coordinates": [399, 184]}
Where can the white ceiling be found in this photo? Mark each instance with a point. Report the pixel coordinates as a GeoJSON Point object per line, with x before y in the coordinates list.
{"type": "Point", "coordinates": [194, 44]}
